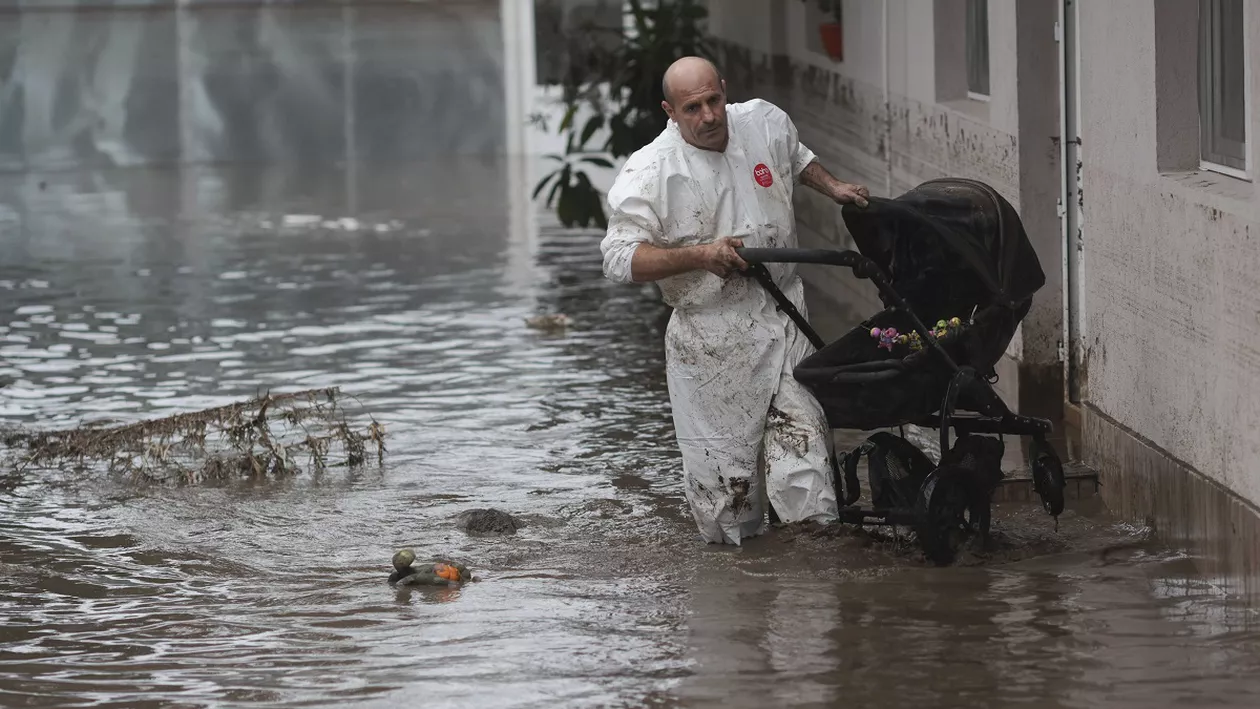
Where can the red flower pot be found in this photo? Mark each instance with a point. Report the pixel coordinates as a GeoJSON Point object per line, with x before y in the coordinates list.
{"type": "Point", "coordinates": [833, 39]}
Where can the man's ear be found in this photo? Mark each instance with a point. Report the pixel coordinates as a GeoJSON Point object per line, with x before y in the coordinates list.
{"type": "Point", "coordinates": [669, 110]}
{"type": "Point", "coordinates": [723, 88]}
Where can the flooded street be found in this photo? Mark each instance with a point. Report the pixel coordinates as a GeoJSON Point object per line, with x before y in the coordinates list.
{"type": "Point", "coordinates": [406, 279]}
{"type": "Point", "coordinates": [140, 293]}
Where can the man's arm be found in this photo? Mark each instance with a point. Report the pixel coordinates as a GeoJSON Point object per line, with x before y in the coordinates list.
{"type": "Point", "coordinates": [816, 176]}
{"type": "Point", "coordinates": [631, 257]}
{"type": "Point", "coordinates": [652, 263]}
{"type": "Point", "coordinates": [804, 164]}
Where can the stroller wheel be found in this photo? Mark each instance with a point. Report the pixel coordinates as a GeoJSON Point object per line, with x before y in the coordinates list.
{"type": "Point", "coordinates": [951, 508]}
{"type": "Point", "coordinates": [1047, 472]}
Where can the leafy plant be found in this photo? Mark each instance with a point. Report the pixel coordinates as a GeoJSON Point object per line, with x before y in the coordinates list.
{"type": "Point", "coordinates": [621, 87]}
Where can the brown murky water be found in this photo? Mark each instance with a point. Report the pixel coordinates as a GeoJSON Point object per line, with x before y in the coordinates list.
{"type": "Point", "coordinates": [136, 294]}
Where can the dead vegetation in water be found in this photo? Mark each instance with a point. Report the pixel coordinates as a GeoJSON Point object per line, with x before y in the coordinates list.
{"type": "Point", "coordinates": [272, 434]}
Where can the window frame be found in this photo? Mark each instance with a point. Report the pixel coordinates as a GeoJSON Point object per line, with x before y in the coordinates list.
{"type": "Point", "coordinates": [1207, 98]}
{"type": "Point", "coordinates": [968, 51]}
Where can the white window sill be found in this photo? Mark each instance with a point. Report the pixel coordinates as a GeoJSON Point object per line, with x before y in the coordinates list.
{"type": "Point", "coordinates": [1223, 170]}
{"type": "Point", "coordinates": [1214, 186]}
{"type": "Point", "coordinates": [969, 108]}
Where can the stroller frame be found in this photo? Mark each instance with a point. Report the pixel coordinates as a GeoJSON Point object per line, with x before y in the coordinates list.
{"type": "Point", "coordinates": [954, 501]}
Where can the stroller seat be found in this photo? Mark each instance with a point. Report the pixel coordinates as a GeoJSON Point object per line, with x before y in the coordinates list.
{"type": "Point", "coordinates": [951, 248]}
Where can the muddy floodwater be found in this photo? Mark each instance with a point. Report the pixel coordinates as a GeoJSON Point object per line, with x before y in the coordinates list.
{"type": "Point", "coordinates": [141, 293]}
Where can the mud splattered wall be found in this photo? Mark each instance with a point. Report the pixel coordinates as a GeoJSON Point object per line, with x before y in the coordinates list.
{"type": "Point", "coordinates": [92, 83]}
{"type": "Point", "coordinates": [929, 128]}
{"type": "Point", "coordinates": [1172, 252]}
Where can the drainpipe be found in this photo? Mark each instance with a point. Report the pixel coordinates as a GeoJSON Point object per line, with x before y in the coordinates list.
{"type": "Point", "coordinates": [1069, 197]}
{"type": "Point", "coordinates": [1065, 336]}
{"type": "Point", "coordinates": [887, 112]}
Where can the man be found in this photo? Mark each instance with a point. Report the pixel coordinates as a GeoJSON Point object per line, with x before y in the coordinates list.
{"type": "Point", "coordinates": [720, 177]}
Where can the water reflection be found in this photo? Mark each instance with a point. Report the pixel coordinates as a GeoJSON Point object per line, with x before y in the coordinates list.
{"type": "Point", "coordinates": [264, 592]}
{"type": "Point", "coordinates": [94, 84]}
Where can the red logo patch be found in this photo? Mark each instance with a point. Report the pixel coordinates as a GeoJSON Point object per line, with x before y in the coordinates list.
{"type": "Point", "coordinates": [761, 173]}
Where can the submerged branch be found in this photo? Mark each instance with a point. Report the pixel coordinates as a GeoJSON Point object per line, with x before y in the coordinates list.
{"type": "Point", "coordinates": [269, 433]}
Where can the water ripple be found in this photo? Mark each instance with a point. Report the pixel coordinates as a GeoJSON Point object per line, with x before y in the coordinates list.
{"type": "Point", "coordinates": [272, 592]}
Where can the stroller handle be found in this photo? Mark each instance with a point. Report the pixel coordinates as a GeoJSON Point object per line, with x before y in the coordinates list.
{"type": "Point", "coordinates": [862, 266]}
{"type": "Point", "coordinates": [827, 257]}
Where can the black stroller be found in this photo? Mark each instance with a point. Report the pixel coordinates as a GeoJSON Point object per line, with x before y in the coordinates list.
{"type": "Point", "coordinates": [956, 274]}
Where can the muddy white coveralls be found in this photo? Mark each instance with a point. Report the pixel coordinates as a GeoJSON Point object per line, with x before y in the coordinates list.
{"type": "Point", "coordinates": [729, 351]}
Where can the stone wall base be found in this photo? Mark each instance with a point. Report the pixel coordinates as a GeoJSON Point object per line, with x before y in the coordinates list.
{"type": "Point", "coordinates": [1142, 483]}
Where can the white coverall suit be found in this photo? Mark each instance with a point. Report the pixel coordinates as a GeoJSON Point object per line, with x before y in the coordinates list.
{"type": "Point", "coordinates": [729, 351]}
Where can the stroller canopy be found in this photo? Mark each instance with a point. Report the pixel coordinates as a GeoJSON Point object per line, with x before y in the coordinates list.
{"type": "Point", "coordinates": [948, 244]}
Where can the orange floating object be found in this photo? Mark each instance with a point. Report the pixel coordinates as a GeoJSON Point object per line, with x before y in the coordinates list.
{"type": "Point", "coordinates": [450, 573]}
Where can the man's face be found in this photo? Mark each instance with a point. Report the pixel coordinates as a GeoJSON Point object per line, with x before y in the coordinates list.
{"type": "Point", "coordinates": [700, 111]}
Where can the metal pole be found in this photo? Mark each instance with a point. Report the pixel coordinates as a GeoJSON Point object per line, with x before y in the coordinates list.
{"type": "Point", "coordinates": [1070, 197]}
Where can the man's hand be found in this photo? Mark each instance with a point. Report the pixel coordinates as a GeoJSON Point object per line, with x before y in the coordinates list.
{"type": "Point", "coordinates": [720, 259]}
{"type": "Point", "coordinates": [817, 177]}
{"type": "Point", "coordinates": [652, 263]}
{"type": "Point", "coordinates": [845, 193]}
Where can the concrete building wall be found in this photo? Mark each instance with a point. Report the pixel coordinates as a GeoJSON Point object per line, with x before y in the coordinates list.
{"type": "Point", "coordinates": [747, 23]}
{"type": "Point", "coordinates": [1169, 379]}
{"type": "Point", "coordinates": [895, 112]}
{"type": "Point", "coordinates": [1172, 324]}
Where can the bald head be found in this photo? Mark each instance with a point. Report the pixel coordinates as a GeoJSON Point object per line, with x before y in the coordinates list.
{"type": "Point", "coordinates": [686, 74]}
{"type": "Point", "coordinates": [695, 99]}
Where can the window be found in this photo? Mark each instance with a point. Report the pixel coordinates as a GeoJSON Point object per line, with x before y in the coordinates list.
{"type": "Point", "coordinates": [1222, 85]}
{"type": "Point", "coordinates": [824, 27]}
{"type": "Point", "coordinates": [978, 49]}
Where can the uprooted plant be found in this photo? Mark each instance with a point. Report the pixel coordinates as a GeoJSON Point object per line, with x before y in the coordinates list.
{"type": "Point", "coordinates": [269, 434]}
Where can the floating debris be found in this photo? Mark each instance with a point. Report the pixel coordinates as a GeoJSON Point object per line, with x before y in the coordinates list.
{"type": "Point", "coordinates": [269, 434]}
{"type": "Point", "coordinates": [297, 220]}
{"type": "Point", "coordinates": [441, 572]}
{"type": "Point", "coordinates": [348, 224]}
{"type": "Point", "coordinates": [555, 322]}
